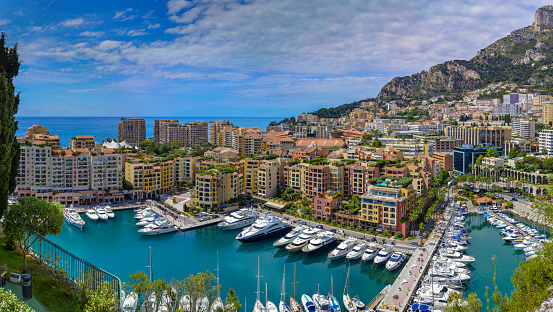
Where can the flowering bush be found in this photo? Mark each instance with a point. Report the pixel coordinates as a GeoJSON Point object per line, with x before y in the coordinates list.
{"type": "Point", "coordinates": [9, 302]}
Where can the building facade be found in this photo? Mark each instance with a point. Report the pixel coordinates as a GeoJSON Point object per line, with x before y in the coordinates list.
{"type": "Point", "coordinates": [465, 156]}
{"type": "Point", "coordinates": [131, 130]}
{"type": "Point", "coordinates": [476, 136]}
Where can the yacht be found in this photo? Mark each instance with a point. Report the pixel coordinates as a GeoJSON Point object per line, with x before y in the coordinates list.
{"type": "Point", "coordinates": [370, 253]}
{"type": "Point", "coordinates": [299, 242]}
{"type": "Point", "coordinates": [321, 303]}
{"type": "Point", "coordinates": [342, 249]}
{"type": "Point", "coordinates": [258, 306]}
{"type": "Point", "coordinates": [101, 213]}
{"type": "Point", "coordinates": [308, 303]}
{"type": "Point", "coordinates": [184, 303]}
{"type": "Point", "coordinates": [456, 256]}
{"type": "Point", "coordinates": [148, 220]}
{"type": "Point", "coordinates": [130, 303]}
{"type": "Point", "coordinates": [91, 214]}
{"type": "Point", "coordinates": [73, 217]}
{"type": "Point", "coordinates": [323, 240]}
{"type": "Point", "coordinates": [396, 260]}
{"type": "Point", "coordinates": [146, 212]}
{"type": "Point", "coordinates": [436, 293]}
{"type": "Point", "coordinates": [348, 303]}
{"type": "Point", "coordinates": [158, 228]}
{"type": "Point", "coordinates": [334, 304]}
{"type": "Point", "coordinates": [357, 251]}
{"type": "Point", "coordinates": [358, 303]}
{"type": "Point", "coordinates": [270, 307]}
{"type": "Point", "coordinates": [109, 212]}
{"type": "Point", "coordinates": [239, 219]}
{"type": "Point", "coordinates": [288, 238]}
{"type": "Point", "coordinates": [383, 255]}
{"type": "Point", "coordinates": [150, 303]}
{"type": "Point", "coordinates": [265, 227]}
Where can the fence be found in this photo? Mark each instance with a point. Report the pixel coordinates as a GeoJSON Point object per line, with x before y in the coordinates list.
{"type": "Point", "coordinates": [82, 273]}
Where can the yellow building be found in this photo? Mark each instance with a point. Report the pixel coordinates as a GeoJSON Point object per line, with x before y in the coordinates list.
{"type": "Point", "coordinates": [216, 186]}
{"type": "Point", "coordinates": [337, 178]}
{"type": "Point", "coordinates": [149, 178]}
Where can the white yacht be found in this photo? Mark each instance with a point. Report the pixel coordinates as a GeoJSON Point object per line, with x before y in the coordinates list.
{"type": "Point", "coordinates": [148, 220]}
{"type": "Point", "coordinates": [342, 249]}
{"type": "Point", "coordinates": [158, 228]}
{"type": "Point", "coordinates": [321, 303]}
{"type": "Point", "coordinates": [101, 213]}
{"type": "Point", "coordinates": [395, 261]}
{"type": "Point", "coordinates": [109, 212]}
{"type": "Point", "coordinates": [370, 253]}
{"type": "Point", "coordinates": [308, 304]}
{"type": "Point", "coordinates": [130, 303]}
{"type": "Point", "coordinates": [73, 217]}
{"type": "Point", "coordinates": [184, 303]}
{"type": "Point", "coordinates": [436, 293]}
{"type": "Point", "coordinates": [299, 242]}
{"type": "Point", "coordinates": [91, 214]}
{"type": "Point", "coordinates": [456, 256]}
{"type": "Point", "coordinates": [264, 227]}
{"type": "Point", "coordinates": [288, 238]}
{"type": "Point", "coordinates": [383, 255]}
{"type": "Point", "coordinates": [357, 251]}
{"type": "Point", "coordinates": [141, 213]}
{"type": "Point", "coordinates": [323, 240]}
{"type": "Point", "coordinates": [238, 219]}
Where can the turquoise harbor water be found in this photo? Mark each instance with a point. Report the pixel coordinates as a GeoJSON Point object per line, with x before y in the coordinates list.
{"type": "Point", "coordinates": [116, 247]}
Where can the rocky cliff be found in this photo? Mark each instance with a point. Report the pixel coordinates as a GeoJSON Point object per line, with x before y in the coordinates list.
{"type": "Point", "coordinates": [525, 55]}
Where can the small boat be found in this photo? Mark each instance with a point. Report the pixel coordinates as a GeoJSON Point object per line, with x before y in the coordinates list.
{"type": "Point", "coordinates": [343, 249]}
{"type": "Point", "coordinates": [357, 251]}
{"type": "Point", "coordinates": [288, 238]}
{"type": "Point", "coordinates": [130, 303]}
{"type": "Point", "coordinates": [321, 303]}
{"type": "Point", "coordinates": [101, 213]}
{"type": "Point", "coordinates": [308, 303]}
{"type": "Point", "coordinates": [109, 212]}
{"type": "Point", "coordinates": [370, 253]}
{"type": "Point", "coordinates": [396, 260]}
{"type": "Point", "coordinates": [294, 305]}
{"type": "Point", "coordinates": [149, 304]}
{"type": "Point", "coordinates": [184, 303]}
{"type": "Point", "coordinates": [348, 303]}
{"type": "Point", "coordinates": [91, 214]}
{"type": "Point", "coordinates": [358, 303]}
{"type": "Point", "coordinates": [383, 255]}
{"type": "Point", "coordinates": [334, 304]}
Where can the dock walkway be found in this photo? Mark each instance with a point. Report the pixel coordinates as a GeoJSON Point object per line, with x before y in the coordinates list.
{"type": "Point", "coordinates": [408, 281]}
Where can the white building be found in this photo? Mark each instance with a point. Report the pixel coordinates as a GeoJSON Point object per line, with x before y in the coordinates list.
{"type": "Point", "coordinates": [504, 109]}
{"type": "Point", "coordinates": [546, 142]}
{"type": "Point", "coordinates": [524, 128]}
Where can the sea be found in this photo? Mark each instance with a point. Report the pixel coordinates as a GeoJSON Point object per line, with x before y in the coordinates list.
{"type": "Point", "coordinates": [106, 127]}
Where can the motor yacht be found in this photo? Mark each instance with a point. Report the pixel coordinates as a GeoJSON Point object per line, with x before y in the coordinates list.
{"type": "Point", "coordinates": [322, 241]}
{"type": "Point", "coordinates": [288, 238]}
{"type": "Point", "coordinates": [342, 249]}
{"type": "Point", "coordinates": [239, 219]}
{"type": "Point", "coordinates": [395, 261]}
{"type": "Point", "coordinates": [158, 228]}
{"type": "Point", "coordinates": [109, 212]}
{"type": "Point", "coordinates": [91, 214]}
{"type": "Point", "coordinates": [458, 257]}
{"type": "Point", "coordinates": [357, 251]}
{"type": "Point", "coordinates": [436, 293]}
{"type": "Point", "coordinates": [321, 303]}
{"type": "Point", "coordinates": [141, 213]}
{"type": "Point", "coordinates": [301, 241]}
{"type": "Point", "coordinates": [130, 302]}
{"type": "Point", "coordinates": [308, 304]}
{"type": "Point", "coordinates": [383, 255]}
{"type": "Point", "coordinates": [263, 228]}
{"type": "Point", "coordinates": [73, 217]}
{"type": "Point", "coordinates": [101, 213]}
{"type": "Point", "coordinates": [370, 253]}
{"type": "Point", "coordinates": [148, 220]}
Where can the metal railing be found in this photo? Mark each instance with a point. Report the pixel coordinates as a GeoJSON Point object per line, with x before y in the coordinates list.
{"type": "Point", "coordinates": [83, 274]}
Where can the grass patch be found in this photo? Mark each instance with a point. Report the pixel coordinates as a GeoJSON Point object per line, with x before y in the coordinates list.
{"type": "Point", "coordinates": [47, 288]}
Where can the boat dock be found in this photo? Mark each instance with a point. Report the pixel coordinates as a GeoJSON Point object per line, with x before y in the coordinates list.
{"type": "Point", "coordinates": [184, 223]}
{"type": "Point", "coordinates": [408, 281]}
{"type": "Point", "coordinates": [495, 215]}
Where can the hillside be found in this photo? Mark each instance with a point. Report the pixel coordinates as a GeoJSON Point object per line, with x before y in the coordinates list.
{"type": "Point", "coordinates": [524, 56]}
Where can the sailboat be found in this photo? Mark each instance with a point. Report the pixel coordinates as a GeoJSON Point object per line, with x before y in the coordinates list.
{"type": "Point", "coordinates": [269, 306]}
{"type": "Point", "coordinates": [217, 304]}
{"type": "Point", "coordinates": [294, 305]}
{"type": "Point", "coordinates": [258, 306]}
{"type": "Point", "coordinates": [348, 303]}
{"type": "Point", "coordinates": [282, 306]}
{"type": "Point", "coordinates": [334, 304]}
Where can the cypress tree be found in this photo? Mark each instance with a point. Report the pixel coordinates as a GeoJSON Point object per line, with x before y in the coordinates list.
{"type": "Point", "coordinates": [9, 104]}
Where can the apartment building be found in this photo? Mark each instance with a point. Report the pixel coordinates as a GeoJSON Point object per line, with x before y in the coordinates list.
{"type": "Point", "coordinates": [185, 169]}
{"type": "Point", "coordinates": [324, 205]}
{"type": "Point", "coordinates": [506, 109]}
{"type": "Point", "coordinates": [446, 160]}
{"type": "Point", "coordinates": [317, 180]}
{"type": "Point", "coordinates": [39, 135]}
{"type": "Point", "coordinates": [477, 135]}
{"type": "Point", "coordinates": [131, 130]}
{"type": "Point", "coordinates": [262, 177]}
{"type": "Point", "coordinates": [250, 143]}
{"type": "Point", "coordinates": [411, 149]}
{"type": "Point", "coordinates": [170, 131]}
{"type": "Point", "coordinates": [546, 142]}
{"type": "Point", "coordinates": [357, 176]}
{"type": "Point", "coordinates": [215, 187]}
{"type": "Point", "coordinates": [83, 141]}
{"type": "Point", "coordinates": [445, 145]}
{"type": "Point", "coordinates": [383, 208]}
{"type": "Point", "coordinates": [149, 177]}
{"type": "Point", "coordinates": [164, 130]}
{"type": "Point", "coordinates": [70, 177]}
{"type": "Point", "coordinates": [214, 128]}
{"type": "Point", "coordinates": [524, 128]}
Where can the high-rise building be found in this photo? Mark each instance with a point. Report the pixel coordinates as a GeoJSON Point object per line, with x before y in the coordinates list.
{"type": "Point", "coordinates": [131, 130]}
{"type": "Point", "coordinates": [149, 177]}
{"type": "Point", "coordinates": [162, 129]}
{"type": "Point", "coordinates": [547, 113]}
{"type": "Point", "coordinates": [466, 155]}
{"type": "Point", "coordinates": [82, 141]}
{"type": "Point", "coordinates": [170, 131]}
{"type": "Point", "coordinates": [524, 128]}
{"type": "Point", "coordinates": [476, 135]}
{"type": "Point", "coordinates": [546, 142]}
{"type": "Point", "coordinates": [214, 128]}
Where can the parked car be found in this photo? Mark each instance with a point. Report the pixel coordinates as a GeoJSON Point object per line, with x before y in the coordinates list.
{"type": "Point", "coordinates": [320, 226]}
{"type": "Point", "coordinates": [514, 199]}
{"type": "Point", "coordinates": [340, 231]}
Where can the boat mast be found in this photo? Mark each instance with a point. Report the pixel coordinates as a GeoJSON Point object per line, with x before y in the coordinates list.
{"type": "Point", "coordinates": [266, 300]}
{"type": "Point", "coordinates": [218, 291]}
{"type": "Point", "coordinates": [258, 276]}
{"type": "Point", "coordinates": [150, 266]}
{"type": "Point", "coordinates": [283, 293]}
{"type": "Point", "coordinates": [347, 277]}
{"type": "Point", "coordinates": [331, 286]}
{"type": "Point", "coordinates": [294, 281]}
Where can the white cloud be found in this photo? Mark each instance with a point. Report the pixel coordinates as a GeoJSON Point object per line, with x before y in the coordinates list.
{"type": "Point", "coordinates": [154, 26]}
{"type": "Point", "coordinates": [109, 45]}
{"type": "Point", "coordinates": [175, 6]}
{"type": "Point", "coordinates": [92, 33]}
{"type": "Point", "coordinates": [124, 15]}
{"type": "Point", "coordinates": [149, 15]}
{"type": "Point", "coordinates": [74, 22]}
{"type": "Point", "coordinates": [4, 22]}
{"type": "Point", "coordinates": [136, 33]}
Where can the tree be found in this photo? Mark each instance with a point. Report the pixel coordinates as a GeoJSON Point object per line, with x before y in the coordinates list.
{"type": "Point", "coordinates": [30, 220]}
{"type": "Point", "coordinates": [513, 153]}
{"type": "Point", "coordinates": [9, 302]}
{"type": "Point", "coordinates": [456, 303]}
{"type": "Point", "coordinates": [103, 299]}
{"type": "Point", "coordinates": [232, 304]}
{"type": "Point", "coordinates": [355, 200]}
{"type": "Point", "coordinates": [9, 104]}
{"type": "Point", "coordinates": [491, 152]}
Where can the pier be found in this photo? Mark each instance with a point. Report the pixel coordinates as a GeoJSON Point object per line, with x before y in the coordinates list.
{"type": "Point", "coordinates": [408, 281]}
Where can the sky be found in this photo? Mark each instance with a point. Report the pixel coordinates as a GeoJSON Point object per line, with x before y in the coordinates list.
{"type": "Point", "coordinates": [248, 58]}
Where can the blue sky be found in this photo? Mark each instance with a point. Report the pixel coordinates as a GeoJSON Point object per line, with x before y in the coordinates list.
{"type": "Point", "coordinates": [235, 58]}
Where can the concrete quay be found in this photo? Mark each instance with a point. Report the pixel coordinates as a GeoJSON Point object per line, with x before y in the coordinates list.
{"type": "Point", "coordinates": [408, 281]}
